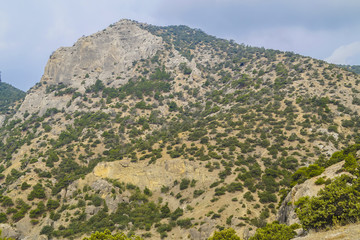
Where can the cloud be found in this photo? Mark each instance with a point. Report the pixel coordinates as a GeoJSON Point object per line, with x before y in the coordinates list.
{"type": "Point", "coordinates": [60, 26]}
{"type": "Point", "coordinates": [344, 54]}
{"type": "Point", "coordinates": [3, 29]}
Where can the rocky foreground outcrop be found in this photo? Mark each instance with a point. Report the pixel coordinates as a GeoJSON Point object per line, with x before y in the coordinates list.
{"type": "Point", "coordinates": [286, 212]}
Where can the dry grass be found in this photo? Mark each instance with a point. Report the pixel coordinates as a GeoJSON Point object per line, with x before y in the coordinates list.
{"type": "Point", "coordinates": [348, 232]}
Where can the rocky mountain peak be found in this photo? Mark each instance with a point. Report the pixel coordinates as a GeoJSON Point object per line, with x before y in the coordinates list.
{"type": "Point", "coordinates": [105, 55]}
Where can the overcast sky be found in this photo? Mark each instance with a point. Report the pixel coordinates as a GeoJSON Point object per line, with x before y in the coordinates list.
{"type": "Point", "coordinates": [31, 30]}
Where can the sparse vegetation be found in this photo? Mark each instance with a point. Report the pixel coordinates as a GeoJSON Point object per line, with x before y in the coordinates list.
{"type": "Point", "coordinates": [230, 127]}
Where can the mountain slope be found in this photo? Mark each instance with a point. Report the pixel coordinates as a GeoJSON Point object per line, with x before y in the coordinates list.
{"type": "Point", "coordinates": [352, 68]}
{"type": "Point", "coordinates": [9, 95]}
{"type": "Point", "coordinates": [197, 132]}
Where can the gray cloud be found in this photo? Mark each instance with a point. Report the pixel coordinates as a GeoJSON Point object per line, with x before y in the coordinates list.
{"type": "Point", "coordinates": [345, 54]}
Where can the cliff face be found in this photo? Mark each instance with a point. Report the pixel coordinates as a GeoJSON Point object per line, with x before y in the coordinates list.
{"type": "Point", "coordinates": [106, 55]}
{"type": "Point", "coordinates": [198, 132]}
{"type": "Point", "coordinates": [286, 212]}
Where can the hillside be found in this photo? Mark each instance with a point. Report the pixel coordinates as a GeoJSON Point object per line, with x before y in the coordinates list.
{"type": "Point", "coordinates": [168, 132]}
{"type": "Point", "coordinates": [352, 68]}
{"type": "Point", "coordinates": [9, 95]}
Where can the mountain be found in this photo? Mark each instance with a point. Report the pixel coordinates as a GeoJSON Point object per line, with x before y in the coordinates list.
{"type": "Point", "coordinates": [168, 132]}
{"type": "Point", "coordinates": [9, 95]}
{"type": "Point", "coordinates": [352, 68]}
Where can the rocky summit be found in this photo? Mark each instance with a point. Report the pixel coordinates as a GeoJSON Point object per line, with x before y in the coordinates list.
{"type": "Point", "coordinates": [169, 133]}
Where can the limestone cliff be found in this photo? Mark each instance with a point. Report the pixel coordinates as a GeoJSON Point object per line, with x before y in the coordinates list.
{"type": "Point", "coordinates": [106, 55]}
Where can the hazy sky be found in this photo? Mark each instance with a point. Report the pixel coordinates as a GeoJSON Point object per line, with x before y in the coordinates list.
{"type": "Point", "coordinates": [31, 30]}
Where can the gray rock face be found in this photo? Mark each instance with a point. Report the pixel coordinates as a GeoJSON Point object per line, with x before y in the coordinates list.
{"type": "Point", "coordinates": [248, 233]}
{"type": "Point", "coordinates": [29, 231]}
{"type": "Point", "coordinates": [286, 212]}
{"type": "Point", "coordinates": [91, 210]}
{"type": "Point", "coordinates": [101, 185]}
{"type": "Point", "coordinates": [113, 202]}
{"type": "Point", "coordinates": [106, 55]}
{"type": "Point", "coordinates": [204, 231]}
{"type": "Point", "coordinates": [9, 232]}
{"type": "Point", "coordinates": [2, 119]}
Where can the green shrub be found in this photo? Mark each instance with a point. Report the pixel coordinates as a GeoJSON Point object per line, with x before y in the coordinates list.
{"type": "Point", "coordinates": [107, 235]}
{"type": "Point", "coordinates": [267, 197]}
{"type": "Point", "coordinates": [54, 216]}
{"type": "Point", "coordinates": [234, 187]}
{"type": "Point", "coordinates": [185, 69]}
{"type": "Point", "coordinates": [147, 192]}
{"type": "Point", "coordinates": [96, 200]}
{"type": "Point", "coordinates": [37, 192]}
{"type": "Point", "coordinates": [142, 105]}
{"type": "Point", "coordinates": [165, 211]}
{"type": "Point", "coordinates": [52, 204]}
{"type": "Point", "coordinates": [249, 197]}
{"type": "Point", "coordinates": [18, 215]}
{"type": "Point", "coordinates": [163, 228]}
{"type": "Point", "coordinates": [25, 186]}
{"type": "Point", "coordinates": [165, 189]}
{"type": "Point", "coordinates": [220, 191]}
{"type": "Point", "coordinates": [3, 218]}
{"type": "Point", "coordinates": [320, 181]}
{"type": "Point", "coordinates": [350, 164]}
{"type": "Point", "coordinates": [337, 203]}
{"type": "Point", "coordinates": [184, 223]}
{"type": "Point", "coordinates": [160, 74]}
{"type": "Point", "coordinates": [23, 209]}
{"type": "Point", "coordinates": [37, 212]}
{"type": "Point", "coordinates": [177, 213]}
{"type": "Point", "coordinates": [304, 173]}
{"type": "Point", "coordinates": [6, 201]}
{"type": "Point", "coordinates": [226, 234]}
{"type": "Point", "coordinates": [339, 156]}
{"type": "Point", "coordinates": [198, 192]}
{"type": "Point", "coordinates": [275, 231]}
{"type": "Point", "coordinates": [184, 184]}
{"type": "Point", "coordinates": [47, 230]}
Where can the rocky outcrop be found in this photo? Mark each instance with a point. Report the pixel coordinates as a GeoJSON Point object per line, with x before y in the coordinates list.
{"type": "Point", "coordinates": [28, 231]}
{"type": "Point", "coordinates": [204, 231]}
{"type": "Point", "coordinates": [9, 232]}
{"type": "Point", "coordinates": [2, 119]}
{"type": "Point", "coordinates": [286, 213]}
{"type": "Point", "coordinates": [106, 55]}
{"type": "Point", "coordinates": [153, 176]}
